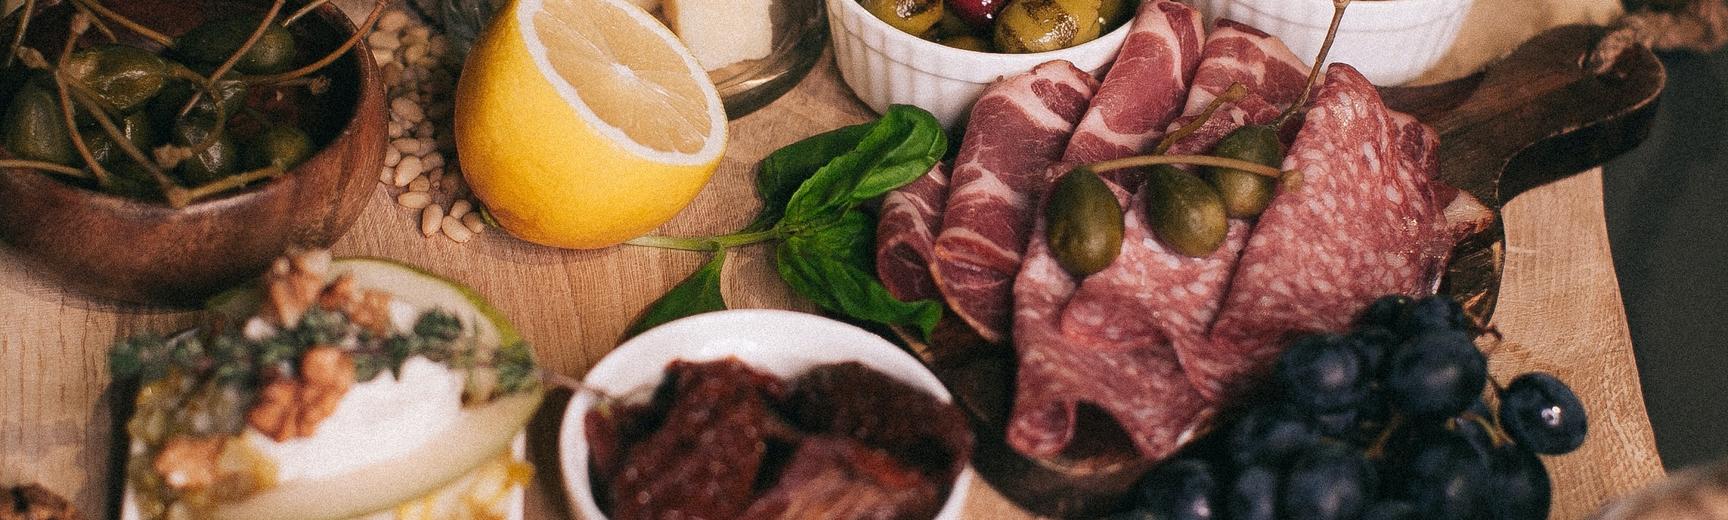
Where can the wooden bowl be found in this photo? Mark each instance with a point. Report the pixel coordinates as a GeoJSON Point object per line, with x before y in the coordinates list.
{"type": "Point", "coordinates": [146, 252]}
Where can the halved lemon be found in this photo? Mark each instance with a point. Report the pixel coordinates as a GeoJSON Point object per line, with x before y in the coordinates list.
{"type": "Point", "coordinates": [584, 123]}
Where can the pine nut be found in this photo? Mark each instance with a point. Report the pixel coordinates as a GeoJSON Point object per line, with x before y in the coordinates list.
{"type": "Point", "coordinates": [456, 231]}
{"type": "Point", "coordinates": [414, 199]}
{"type": "Point", "coordinates": [474, 222]}
{"type": "Point", "coordinates": [431, 219]}
{"type": "Point", "coordinates": [460, 208]}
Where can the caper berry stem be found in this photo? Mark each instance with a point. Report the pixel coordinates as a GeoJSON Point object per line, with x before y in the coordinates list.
{"type": "Point", "coordinates": [1231, 95]}
{"type": "Point", "coordinates": [303, 11]}
{"type": "Point", "coordinates": [187, 196]}
{"type": "Point", "coordinates": [80, 23]}
{"type": "Point", "coordinates": [228, 64]}
{"type": "Point", "coordinates": [82, 95]}
{"type": "Point", "coordinates": [365, 27]}
{"type": "Point", "coordinates": [1319, 61]}
{"type": "Point", "coordinates": [24, 15]}
{"type": "Point", "coordinates": [97, 7]}
{"type": "Point", "coordinates": [44, 166]}
{"type": "Point", "coordinates": [1197, 160]}
{"type": "Point", "coordinates": [710, 243]}
{"type": "Point", "coordinates": [96, 22]}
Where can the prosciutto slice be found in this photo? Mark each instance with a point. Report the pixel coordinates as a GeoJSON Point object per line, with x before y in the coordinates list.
{"type": "Point", "coordinates": [1152, 291]}
{"type": "Point", "coordinates": [1145, 87]}
{"type": "Point", "coordinates": [1019, 126]}
{"type": "Point", "coordinates": [1368, 220]}
{"type": "Point", "coordinates": [905, 232]}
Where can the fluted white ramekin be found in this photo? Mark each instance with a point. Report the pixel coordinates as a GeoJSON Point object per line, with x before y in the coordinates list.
{"type": "Point", "coordinates": [885, 66]}
{"type": "Point", "coordinates": [1390, 41]}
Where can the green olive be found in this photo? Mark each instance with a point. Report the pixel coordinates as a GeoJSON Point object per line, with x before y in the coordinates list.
{"type": "Point", "coordinates": [34, 129]}
{"type": "Point", "coordinates": [1184, 211]}
{"type": "Point", "coordinates": [911, 16]}
{"type": "Point", "coordinates": [966, 41]}
{"type": "Point", "coordinates": [1246, 194]}
{"type": "Point", "coordinates": [216, 40]}
{"type": "Point", "coordinates": [137, 130]}
{"type": "Point", "coordinates": [951, 24]}
{"type": "Point", "coordinates": [1045, 25]}
{"type": "Point", "coordinates": [214, 162]}
{"type": "Point", "coordinates": [122, 76]}
{"type": "Point", "coordinates": [280, 146]}
{"type": "Point", "coordinates": [1083, 222]}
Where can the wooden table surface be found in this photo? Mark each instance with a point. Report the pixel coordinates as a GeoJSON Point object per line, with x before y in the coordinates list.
{"type": "Point", "coordinates": [1559, 308]}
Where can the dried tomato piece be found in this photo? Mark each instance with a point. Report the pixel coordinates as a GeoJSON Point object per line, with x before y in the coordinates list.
{"type": "Point", "coordinates": [837, 478]}
{"type": "Point", "coordinates": [853, 400]}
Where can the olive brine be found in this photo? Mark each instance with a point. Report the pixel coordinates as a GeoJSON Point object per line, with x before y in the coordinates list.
{"type": "Point", "coordinates": [1009, 26]}
{"type": "Point", "coordinates": [201, 117]}
{"type": "Point", "coordinates": [1384, 422]}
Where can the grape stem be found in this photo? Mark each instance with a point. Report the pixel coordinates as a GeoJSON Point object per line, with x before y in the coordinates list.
{"type": "Point", "coordinates": [708, 243]}
{"type": "Point", "coordinates": [1319, 61]}
{"type": "Point", "coordinates": [1377, 450]}
{"type": "Point", "coordinates": [1197, 160]}
{"type": "Point", "coordinates": [1235, 93]}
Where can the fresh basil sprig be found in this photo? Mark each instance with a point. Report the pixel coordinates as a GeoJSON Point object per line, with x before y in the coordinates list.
{"type": "Point", "coordinates": [811, 191]}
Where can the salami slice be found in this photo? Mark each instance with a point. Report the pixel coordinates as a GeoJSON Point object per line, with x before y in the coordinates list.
{"type": "Point", "coordinates": [1018, 128]}
{"type": "Point", "coordinates": [1135, 379]}
{"type": "Point", "coordinates": [905, 232]}
{"type": "Point", "coordinates": [1367, 221]}
{"type": "Point", "coordinates": [1145, 87]}
{"type": "Point", "coordinates": [1153, 291]}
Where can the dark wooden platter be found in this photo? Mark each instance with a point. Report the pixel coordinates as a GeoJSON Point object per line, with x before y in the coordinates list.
{"type": "Point", "coordinates": [1547, 111]}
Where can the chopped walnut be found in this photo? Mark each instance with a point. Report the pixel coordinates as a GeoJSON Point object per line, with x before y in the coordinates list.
{"type": "Point", "coordinates": [189, 462]}
{"type": "Point", "coordinates": [371, 310]}
{"type": "Point", "coordinates": [293, 284]}
{"type": "Point", "coordinates": [293, 407]}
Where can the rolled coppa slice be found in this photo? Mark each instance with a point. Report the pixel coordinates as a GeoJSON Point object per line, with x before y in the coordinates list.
{"type": "Point", "coordinates": [905, 232]}
{"type": "Point", "coordinates": [1145, 87]}
{"type": "Point", "coordinates": [1018, 128]}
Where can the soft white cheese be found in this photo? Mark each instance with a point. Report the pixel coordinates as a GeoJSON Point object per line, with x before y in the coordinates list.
{"type": "Point", "coordinates": [377, 420]}
{"type": "Point", "coordinates": [723, 32]}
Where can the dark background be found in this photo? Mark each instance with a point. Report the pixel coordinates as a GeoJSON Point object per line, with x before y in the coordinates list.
{"type": "Point", "coordinates": [1667, 206]}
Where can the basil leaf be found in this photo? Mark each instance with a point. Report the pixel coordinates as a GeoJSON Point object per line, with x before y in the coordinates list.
{"type": "Point", "coordinates": [833, 266]}
{"type": "Point", "coordinates": [695, 295]}
{"type": "Point", "coordinates": [783, 171]}
{"type": "Point", "coordinates": [898, 148]}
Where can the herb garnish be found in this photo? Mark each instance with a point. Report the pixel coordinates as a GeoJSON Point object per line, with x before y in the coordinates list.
{"type": "Point", "coordinates": [811, 194]}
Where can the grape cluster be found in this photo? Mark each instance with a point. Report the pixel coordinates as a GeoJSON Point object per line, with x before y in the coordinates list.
{"type": "Point", "coordinates": [1384, 422]}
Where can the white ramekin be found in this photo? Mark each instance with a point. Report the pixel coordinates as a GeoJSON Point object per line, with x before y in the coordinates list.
{"type": "Point", "coordinates": [885, 66]}
{"type": "Point", "coordinates": [1390, 41]}
{"type": "Point", "coordinates": [782, 343]}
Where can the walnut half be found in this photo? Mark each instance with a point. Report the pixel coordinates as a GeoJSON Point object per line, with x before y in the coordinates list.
{"type": "Point", "coordinates": [293, 407]}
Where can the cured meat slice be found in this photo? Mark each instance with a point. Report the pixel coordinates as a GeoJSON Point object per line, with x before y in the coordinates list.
{"type": "Point", "coordinates": [1135, 379]}
{"type": "Point", "coordinates": [1153, 291]}
{"type": "Point", "coordinates": [1145, 87]}
{"type": "Point", "coordinates": [1367, 221]}
{"type": "Point", "coordinates": [1019, 127]}
{"type": "Point", "coordinates": [905, 232]}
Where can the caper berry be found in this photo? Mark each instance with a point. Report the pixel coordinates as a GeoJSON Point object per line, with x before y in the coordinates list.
{"type": "Point", "coordinates": [1246, 194]}
{"type": "Point", "coordinates": [280, 146]}
{"type": "Point", "coordinates": [214, 162]}
{"type": "Point", "coordinates": [214, 41]}
{"type": "Point", "coordinates": [165, 108]}
{"type": "Point", "coordinates": [35, 129]}
{"type": "Point", "coordinates": [135, 128]}
{"type": "Point", "coordinates": [122, 76]}
{"type": "Point", "coordinates": [1045, 25]}
{"type": "Point", "coordinates": [909, 16]}
{"type": "Point", "coordinates": [1083, 222]}
{"type": "Point", "coordinates": [1184, 211]}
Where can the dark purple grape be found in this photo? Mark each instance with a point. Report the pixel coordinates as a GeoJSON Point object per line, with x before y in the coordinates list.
{"type": "Point", "coordinates": [1386, 311]}
{"type": "Point", "coordinates": [1255, 494]}
{"type": "Point", "coordinates": [1372, 416]}
{"type": "Point", "coordinates": [1542, 414]}
{"type": "Point", "coordinates": [1435, 375]}
{"type": "Point", "coordinates": [1321, 373]}
{"type": "Point", "coordinates": [1520, 483]}
{"type": "Point", "coordinates": [1391, 510]}
{"type": "Point", "coordinates": [1329, 481]}
{"type": "Point", "coordinates": [1183, 489]}
{"type": "Point", "coordinates": [1441, 474]}
{"type": "Point", "coordinates": [1434, 313]}
{"type": "Point", "coordinates": [1374, 344]}
{"type": "Point", "coordinates": [1341, 424]}
{"type": "Point", "coordinates": [1270, 434]}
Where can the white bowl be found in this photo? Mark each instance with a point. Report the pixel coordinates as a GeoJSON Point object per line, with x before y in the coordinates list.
{"type": "Point", "coordinates": [1390, 41]}
{"type": "Point", "coordinates": [782, 343]}
{"type": "Point", "coordinates": [885, 66]}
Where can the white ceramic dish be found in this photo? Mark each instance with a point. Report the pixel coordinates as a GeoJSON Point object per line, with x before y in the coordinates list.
{"type": "Point", "coordinates": [782, 343]}
{"type": "Point", "coordinates": [1390, 41]}
{"type": "Point", "coordinates": [885, 66]}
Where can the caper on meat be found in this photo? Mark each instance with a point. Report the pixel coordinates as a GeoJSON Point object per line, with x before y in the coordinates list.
{"type": "Point", "coordinates": [1246, 194]}
{"type": "Point", "coordinates": [1083, 222]}
{"type": "Point", "coordinates": [280, 146]}
{"type": "Point", "coordinates": [35, 129]}
{"type": "Point", "coordinates": [214, 41]}
{"type": "Point", "coordinates": [122, 76]}
{"type": "Point", "coordinates": [1025, 26]}
{"type": "Point", "coordinates": [1184, 211]}
{"type": "Point", "coordinates": [910, 16]}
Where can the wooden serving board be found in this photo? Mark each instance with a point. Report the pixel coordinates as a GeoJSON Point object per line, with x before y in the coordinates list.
{"type": "Point", "coordinates": [1557, 298]}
